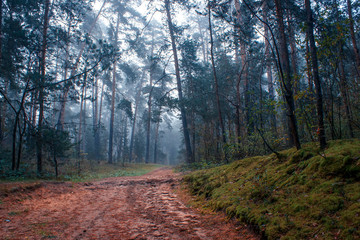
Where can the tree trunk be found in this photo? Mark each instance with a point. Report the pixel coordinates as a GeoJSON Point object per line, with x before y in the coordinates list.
{"type": "Point", "coordinates": [96, 128]}
{"type": "Point", "coordinates": [21, 135]}
{"type": "Point", "coordinates": [293, 54]}
{"type": "Point", "coordinates": [343, 90]}
{"type": "Point", "coordinates": [217, 94]}
{"type": "Point", "coordinates": [202, 40]}
{"type": "Point", "coordinates": [98, 136]}
{"type": "Point", "coordinates": [353, 38]}
{"type": "Point", "coordinates": [156, 141]}
{"type": "Point", "coordinates": [238, 104]}
{"type": "Point", "coordinates": [269, 71]}
{"type": "Point", "coordinates": [137, 100]}
{"type": "Point", "coordinates": [61, 120]}
{"type": "Point", "coordinates": [315, 70]}
{"type": "Point", "coordinates": [81, 117]}
{"type": "Point", "coordinates": [149, 103]}
{"type": "Point", "coordinates": [2, 113]}
{"type": "Point", "coordinates": [125, 133]}
{"type": "Point", "coordinates": [41, 90]}
{"type": "Point", "coordinates": [285, 74]}
{"type": "Point", "coordinates": [112, 115]}
{"type": "Point", "coordinates": [245, 74]}
{"type": "Point", "coordinates": [189, 154]}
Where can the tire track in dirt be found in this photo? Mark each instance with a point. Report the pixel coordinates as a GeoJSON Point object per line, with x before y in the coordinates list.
{"type": "Point", "coordinates": [143, 207]}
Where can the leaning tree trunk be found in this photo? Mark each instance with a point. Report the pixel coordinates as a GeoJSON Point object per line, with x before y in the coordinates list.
{"type": "Point", "coordinates": [315, 70]}
{"type": "Point", "coordinates": [285, 75]}
{"type": "Point", "coordinates": [221, 121]}
{"type": "Point", "coordinates": [189, 155]}
{"type": "Point", "coordinates": [73, 70]}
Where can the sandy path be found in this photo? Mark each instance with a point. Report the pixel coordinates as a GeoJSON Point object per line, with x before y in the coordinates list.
{"type": "Point", "coordinates": [144, 207]}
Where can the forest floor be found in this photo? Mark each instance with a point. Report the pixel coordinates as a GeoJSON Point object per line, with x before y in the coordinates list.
{"type": "Point", "coordinates": [152, 206]}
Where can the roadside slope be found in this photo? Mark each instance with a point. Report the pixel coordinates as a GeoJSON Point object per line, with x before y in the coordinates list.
{"type": "Point", "coordinates": [303, 194]}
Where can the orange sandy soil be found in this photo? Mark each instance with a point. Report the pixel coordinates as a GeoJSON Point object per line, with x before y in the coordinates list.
{"type": "Point", "coordinates": [143, 207]}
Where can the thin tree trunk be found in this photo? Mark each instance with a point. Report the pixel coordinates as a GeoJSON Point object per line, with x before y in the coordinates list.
{"type": "Point", "coordinates": [202, 40]}
{"type": "Point", "coordinates": [353, 38]}
{"type": "Point", "coordinates": [98, 127]}
{"type": "Point", "coordinates": [245, 74]}
{"type": "Point", "coordinates": [315, 70]}
{"type": "Point", "coordinates": [95, 119]}
{"type": "Point", "coordinates": [73, 70]}
{"type": "Point", "coordinates": [293, 54]}
{"type": "Point", "coordinates": [156, 141]}
{"type": "Point", "coordinates": [189, 154]}
{"type": "Point", "coordinates": [149, 103]}
{"type": "Point", "coordinates": [21, 135]}
{"type": "Point", "coordinates": [137, 100]}
{"type": "Point", "coordinates": [99, 120]}
{"type": "Point", "coordinates": [84, 119]}
{"type": "Point", "coordinates": [61, 120]}
{"type": "Point", "coordinates": [112, 115]}
{"type": "Point", "coordinates": [41, 90]}
{"type": "Point", "coordinates": [125, 133]}
{"type": "Point", "coordinates": [343, 90]}
{"type": "Point", "coordinates": [308, 68]}
{"type": "Point", "coordinates": [221, 121]}
{"type": "Point", "coordinates": [81, 117]}
{"type": "Point", "coordinates": [2, 113]}
{"type": "Point", "coordinates": [269, 71]}
{"type": "Point", "coordinates": [286, 77]}
{"type": "Point", "coordinates": [238, 104]}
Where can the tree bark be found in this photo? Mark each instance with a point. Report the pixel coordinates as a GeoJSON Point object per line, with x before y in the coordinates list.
{"type": "Point", "coordinates": [315, 70]}
{"type": "Point", "coordinates": [112, 114]}
{"type": "Point", "coordinates": [189, 155]}
{"type": "Point", "coordinates": [285, 75]}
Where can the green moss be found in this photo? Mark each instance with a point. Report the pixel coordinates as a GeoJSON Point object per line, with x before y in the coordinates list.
{"type": "Point", "coordinates": [306, 194]}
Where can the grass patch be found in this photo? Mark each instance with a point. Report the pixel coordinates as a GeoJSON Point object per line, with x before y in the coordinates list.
{"type": "Point", "coordinates": [305, 194]}
{"type": "Point", "coordinates": [89, 171]}
{"type": "Point", "coordinates": [109, 170]}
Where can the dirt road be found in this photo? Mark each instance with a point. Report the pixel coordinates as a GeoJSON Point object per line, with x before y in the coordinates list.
{"type": "Point", "coordinates": [145, 207]}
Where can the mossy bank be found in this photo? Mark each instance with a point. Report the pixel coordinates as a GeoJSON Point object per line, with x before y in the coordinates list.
{"type": "Point", "coordinates": [304, 194]}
